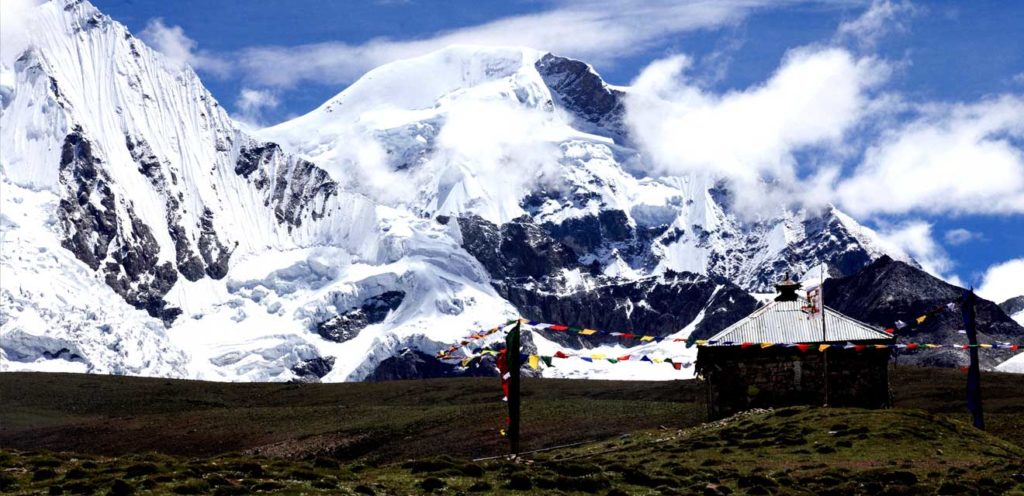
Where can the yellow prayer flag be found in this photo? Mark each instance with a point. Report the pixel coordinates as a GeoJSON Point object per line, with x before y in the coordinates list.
{"type": "Point", "coordinates": [597, 356]}
{"type": "Point", "coordinates": [534, 362]}
{"type": "Point", "coordinates": [658, 360]}
{"type": "Point", "coordinates": [985, 345]}
{"type": "Point", "coordinates": [647, 338]}
{"type": "Point", "coordinates": [702, 342]}
{"type": "Point", "coordinates": [824, 347]}
{"type": "Point", "coordinates": [587, 332]}
{"type": "Point", "coordinates": [920, 320]}
{"type": "Point", "coordinates": [930, 345]}
{"type": "Point", "coordinates": [881, 346]}
{"type": "Point", "coordinates": [767, 345]}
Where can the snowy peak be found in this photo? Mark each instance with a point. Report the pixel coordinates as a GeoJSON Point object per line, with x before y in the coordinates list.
{"type": "Point", "coordinates": [152, 194]}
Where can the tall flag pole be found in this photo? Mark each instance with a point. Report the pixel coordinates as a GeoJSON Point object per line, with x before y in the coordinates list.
{"type": "Point", "coordinates": [824, 337]}
{"type": "Point", "coordinates": [974, 372]}
{"type": "Point", "coordinates": [512, 350]}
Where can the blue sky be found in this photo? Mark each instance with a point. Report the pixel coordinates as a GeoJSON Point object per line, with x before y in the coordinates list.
{"type": "Point", "coordinates": [267, 61]}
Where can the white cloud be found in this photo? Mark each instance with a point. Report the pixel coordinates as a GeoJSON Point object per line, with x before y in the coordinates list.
{"type": "Point", "coordinates": [599, 32]}
{"type": "Point", "coordinates": [914, 238]}
{"type": "Point", "coordinates": [816, 96]}
{"type": "Point", "coordinates": [881, 18]}
{"type": "Point", "coordinates": [251, 103]}
{"type": "Point", "coordinates": [959, 158]}
{"type": "Point", "coordinates": [960, 236]}
{"type": "Point", "coordinates": [172, 42]}
{"type": "Point", "coordinates": [14, 38]}
{"type": "Point", "coordinates": [1003, 281]}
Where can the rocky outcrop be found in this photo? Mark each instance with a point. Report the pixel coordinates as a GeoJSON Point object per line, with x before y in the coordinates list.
{"type": "Point", "coordinates": [122, 249]}
{"type": "Point", "coordinates": [292, 186]}
{"type": "Point", "coordinates": [887, 290]}
{"type": "Point", "coordinates": [519, 248]}
{"type": "Point", "coordinates": [347, 325]}
{"type": "Point", "coordinates": [314, 369]}
{"type": "Point", "coordinates": [584, 94]}
{"type": "Point", "coordinates": [213, 257]}
{"type": "Point", "coordinates": [1013, 305]}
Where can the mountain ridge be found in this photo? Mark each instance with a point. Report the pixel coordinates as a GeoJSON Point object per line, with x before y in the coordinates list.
{"type": "Point", "coordinates": [382, 222]}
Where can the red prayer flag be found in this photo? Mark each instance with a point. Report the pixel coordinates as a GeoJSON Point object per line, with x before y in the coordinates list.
{"type": "Point", "coordinates": [890, 331]}
{"type": "Point", "coordinates": [803, 347]}
{"type": "Point", "coordinates": [859, 347]}
{"type": "Point", "coordinates": [911, 346]}
{"type": "Point", "coordinates": [677, 365]}
{"type": "Point", "coordinates": [1014, 347]}
{"type": "Point", "coordinates": [745, 345]}
{"type": "Point", "coordinates": [628, 335]}
{"type": "Point", "coordinates": [558, 328]}
{"type": "Point", "coordinates": [623, 358]}
{"type": "Point", "coordinates": [559, 354]}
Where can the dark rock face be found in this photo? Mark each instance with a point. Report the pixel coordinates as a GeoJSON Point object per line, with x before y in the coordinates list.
{"type": "Point", "coordinates": [87, 212]}
{"type": "Point", "coordinates": [293, 187]}
{"type": "Point", "coordinates": [655, 305]}
{"type": "Point", "coordinates": [373, 310]}
{"type": "Point", "coordinates": [413, 364]}
{"type": "Point", "coordinates": [314, 369]}
{"type": "Point", "coordinates": [123, 250]}
{"type": "Point", "coordinates": [213, 256]}
{"type": "Point", "coordinates": [1013, 305]}
{"type": "Point", "coordinates": [887, 290]}
{"type": "Point", "coordinates": [517, 249]}
{"type": "Point", "coordinates": [581, 91]}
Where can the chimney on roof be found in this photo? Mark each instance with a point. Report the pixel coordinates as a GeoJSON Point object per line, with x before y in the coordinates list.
{"type": "Point", "coordinates": [787, 289]}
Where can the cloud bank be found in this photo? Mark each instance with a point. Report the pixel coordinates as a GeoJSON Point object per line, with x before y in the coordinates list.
{"type": "Point", "coordinates": [1003, 281]}
{"type": "Point", "coordinates": [600, 32]}
{"type": "Point", "coordinates": [180, 49]}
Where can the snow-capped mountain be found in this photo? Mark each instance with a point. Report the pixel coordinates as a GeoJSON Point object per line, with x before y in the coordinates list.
{"type": "Point", "coordinates": [143, 231]}
{"type": "Point", "coordinates": [502, 133]}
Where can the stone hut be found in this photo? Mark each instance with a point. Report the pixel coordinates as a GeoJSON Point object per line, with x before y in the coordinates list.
{"type": "Point", "coordinates": [789, 352]}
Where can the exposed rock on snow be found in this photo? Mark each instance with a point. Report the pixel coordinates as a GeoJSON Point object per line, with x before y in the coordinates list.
{"type": "Point", "coordinates": [1014, 307]}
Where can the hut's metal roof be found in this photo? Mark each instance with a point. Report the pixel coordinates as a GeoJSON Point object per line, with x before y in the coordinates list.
{"type": "Point", "coordinates": [785, 322]}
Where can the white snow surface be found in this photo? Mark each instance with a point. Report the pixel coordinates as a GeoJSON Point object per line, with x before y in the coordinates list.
{"type": "Point", "coordinates": [463, 130]}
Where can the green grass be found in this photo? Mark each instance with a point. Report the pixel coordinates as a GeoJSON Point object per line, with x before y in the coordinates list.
{"type": "Point", "coordinates": [80, 434]}
{"type": "Point", "coordinates": [799, 450]}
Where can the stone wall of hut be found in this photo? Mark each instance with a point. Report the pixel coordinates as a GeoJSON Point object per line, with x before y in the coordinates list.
{"type": "Point", "coordinates": [741, 379]}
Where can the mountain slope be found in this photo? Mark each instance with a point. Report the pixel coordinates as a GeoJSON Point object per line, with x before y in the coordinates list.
{"type": "Point", "coordinates": [889, 290]}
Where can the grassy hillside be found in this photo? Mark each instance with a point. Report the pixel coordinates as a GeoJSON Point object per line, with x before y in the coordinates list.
{"type": "Point", "coordinates": [86, 433]}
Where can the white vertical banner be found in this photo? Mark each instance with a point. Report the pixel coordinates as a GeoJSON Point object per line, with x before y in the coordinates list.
{"type": "Point", "coordinates": [814, 304]}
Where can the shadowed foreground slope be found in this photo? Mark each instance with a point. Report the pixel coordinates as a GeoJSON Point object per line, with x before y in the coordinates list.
{"type": "Point", "coordinates": [159, 436]}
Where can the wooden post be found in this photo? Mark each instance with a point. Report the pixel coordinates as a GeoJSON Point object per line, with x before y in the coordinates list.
{"type": "Point", "coordinates": [974, 371]}
{"type": "Point", "coordinates": [512, 347]}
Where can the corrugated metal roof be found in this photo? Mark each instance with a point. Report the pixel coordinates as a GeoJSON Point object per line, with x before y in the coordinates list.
{"type": "Point", "coordinates": [785, 322]}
